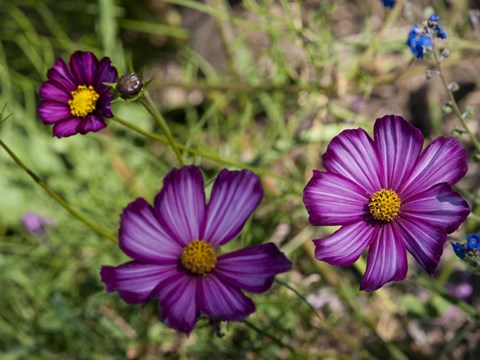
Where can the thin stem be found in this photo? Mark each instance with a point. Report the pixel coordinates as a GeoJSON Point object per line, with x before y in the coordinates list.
{"type": "Point", "coordinates": [271, 337]}
{"type": "Point", "coordinates": [203, 154]}
{"type": "Point", "coordinates": [149, 104]}
{"type": "Point", "coordinates": [100, 231]}
{"type": "Point", "coordinates": [453, 103]}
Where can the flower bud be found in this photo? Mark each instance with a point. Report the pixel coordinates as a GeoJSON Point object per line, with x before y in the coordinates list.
{"type": "Point", "coordinates": [129, 85]}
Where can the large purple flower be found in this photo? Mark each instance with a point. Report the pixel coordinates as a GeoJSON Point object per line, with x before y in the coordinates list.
{"type": "Point", "coordinates": [75, 98]}
{"type": "Point", "coordinates": [389, 196]}
{"type": "Point", "coordinates": [175, 250]}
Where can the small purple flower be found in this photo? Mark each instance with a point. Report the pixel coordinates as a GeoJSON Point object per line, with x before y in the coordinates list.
{"type": "Point", "coordinates": [388, 3]}
{"type": "Point", "coordinates": [75, 98]}
{"type": "Point", "coordinates": [389, 196]}
{"type": "Point", "coordinates": [35, 223]}
{"type": "Point", "coordinates": [175, 250]}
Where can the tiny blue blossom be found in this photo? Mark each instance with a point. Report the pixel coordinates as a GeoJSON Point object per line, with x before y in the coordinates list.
{"type": "Point", "coordinates": [420, 39]}
{"type": "Point", "coordinates": [473, 242]}
{"type": "Point", "coordinates": [459, 250]}
{"type": "Point", "coordinates": [469, 251]}
{"type": "Point", "coordinates": [388, 3]}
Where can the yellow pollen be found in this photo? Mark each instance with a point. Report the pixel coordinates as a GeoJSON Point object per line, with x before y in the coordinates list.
{"type": "Point", "coordinates": [84, 101]}
{"type": "Point", "coordinates": [384, 205]}
{"type": "Point", "coordinates": [198, 257]}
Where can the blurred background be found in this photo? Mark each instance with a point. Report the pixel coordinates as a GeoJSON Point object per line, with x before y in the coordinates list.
{"type": "Point", "coordinates": [260, 84]}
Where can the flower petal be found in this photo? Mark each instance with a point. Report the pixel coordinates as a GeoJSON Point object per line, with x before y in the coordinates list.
{"type": "Point", "coordinates": [61, 74]}
{"type": "Point", "coordinates": [439, 205]}
{"type": "Point", "coordinates": [51, 112]}
{"type": "Point", "coordinates": [51, 91]}
{"type": "Point", "coordinates": [443, 160]}
{"type": "Point", "coordinates": [353, 155]}
{"type": "Point", "coordinates": [104, 108]}
{"type": "Point", "coordinates": [399, 144]}
{"type": "Point", "coordinates": [252, 268]}
{"type": "Point", "coordinates": [105, 73]}
{"type": "Point", "coordinates": [84, 66]}
{"type": "Point", "coordinates": [345, 245]}
{"type": "Point", "coordinates": [179, 302]}
{"type": "Point", "coordinates": [221, 301]}
{"type": "Point", "coordinates": [387, 258]}
{"type": "Point", "coordinates": [331, 199]}
{"type": "Point", "coordinates": [66, 128]}
{"type": "Point", "coordinates": [424, 241]}
{"type": "Point", "coordinates": [180, 205]}
{"type": "Point", "coordinates": [142, 237]}
{"type": "Point", "coordinates": [235, 194]}
{"type": "Point", "coordinates": [135, 281]}
{"type": "Point", "coordinates": [91, 123]}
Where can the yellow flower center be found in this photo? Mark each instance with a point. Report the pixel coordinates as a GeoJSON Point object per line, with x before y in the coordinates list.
{"type": "Point", "coordinates": [384, 205]}
{"type": "Point", "coordinates": [198, 257]}
{"type": "Point", "coordinates": [84, 100]}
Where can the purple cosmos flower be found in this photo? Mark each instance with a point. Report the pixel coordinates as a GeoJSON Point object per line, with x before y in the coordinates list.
{"type": "Point", "coordinates": [175, 250]}
{"type": "Point", "coordinates": [388, 196]}
{"type": "Point", "coordinates": [75, 98]}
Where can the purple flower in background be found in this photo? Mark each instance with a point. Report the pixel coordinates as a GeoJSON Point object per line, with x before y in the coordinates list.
{"type": "Point", "coordinates": [388, 196]}
{"type": "Point", "coordinates": [74, 98]}
{"type": "Point", "coordinates": [175, 250]}
{"type": "Point", "coordinates": [388, 3]}
{"type": "Point", "coordinates": [35, 223]}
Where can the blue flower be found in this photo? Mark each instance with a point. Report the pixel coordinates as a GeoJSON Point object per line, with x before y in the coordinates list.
{"type": "Point", "coordinates": [470, 250]}
{"type": "Point", "coordinates": [388, 3]}
{"type": "Point", "coordinates": [473, 242]}
{"type": "Point", "coordinates": [419, 39]}
{"type": "Point", "coordinates": [459, 250]}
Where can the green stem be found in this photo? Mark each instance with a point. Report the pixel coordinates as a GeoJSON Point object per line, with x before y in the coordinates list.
{"type": "Point", "coordinates": [453, 103]}
{"type": "Point", "coordinates": [271, 337]}
{"type": "Point", "coordinates": [100, 231]}
{"type": "Point", "coordinates": [203, 154]}
{"type": "Point", "coordinates": [149, 104]}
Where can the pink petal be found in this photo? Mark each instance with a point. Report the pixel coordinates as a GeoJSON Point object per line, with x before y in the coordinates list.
{"type": "Point", "coordinates": [91, 123]}
{"type": "Point", "coordinates": [180, 205]}
{"type": "Point", "coordinates": [51, 112]}
{"type": "Point", "coordinates": [221, 301]}
{"type": "Point", "coordinates": [51, 91]}
{"type": "Point", "coordinates": [439, 205]}
{"type": "Point", "coordinates": [142, 237]}
{"type": "Point", "coordinates": [252, 268]}
{"type": "Point", "coordinates": [179, 302]}
{"type": "Point", "coordinates": [66, 127]}
{"type": "Point", "coordinates": [443, 160]}
{"type": "Point", "coordinates": [235, 194]}
{"type": "Point", "coordinates": [61, 75]}
{"type": "Point", "coordinates": [84, 66]}
{"type": "Point", "coordinates": [345, 245]}
{"type": "Point", "coordinates": [331, 199]}
{"type": "Point", "coordinates": [387, 258]}
{"type": "Point", "coordinates": [424, 241]}
{"type": "Point", "coordinates": [134, 281]}
{"type": "Point", "coordinates": [399, 144]}
{"type": "Point", "coordinates": [353, 155]}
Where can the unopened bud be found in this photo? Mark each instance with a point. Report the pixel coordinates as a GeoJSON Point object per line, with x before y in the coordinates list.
{"type": "Point", "coordinates": [129, 85]}
{"type": "Point", "coordinates": [453, 86]}
{"type": "Point", "coordinates": [431, 73]}
{"type": "Point", "coordinates": [446, 108]}
{"type": "Point", "coordinates": [445, 54]}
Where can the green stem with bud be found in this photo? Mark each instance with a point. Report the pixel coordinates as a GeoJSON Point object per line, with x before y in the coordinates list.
{"type": "Point", "coordinates": [99, 230]}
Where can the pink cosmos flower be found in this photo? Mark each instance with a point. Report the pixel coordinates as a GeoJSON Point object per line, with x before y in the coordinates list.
{"type": "Point", "coordinates": [175, 250]}
{"type": "Point", "coordinates": [388, 196]}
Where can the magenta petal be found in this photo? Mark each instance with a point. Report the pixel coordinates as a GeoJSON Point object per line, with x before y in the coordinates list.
{"type": "Point", "coordinates": [135, 281]}
{"type": "Point", "coordinates": [84, 66]}
{"type": "Point", "coordinates": [60, 74]}
{"type": "Point", "coordinates": [252, 268]}
{"type": "Point", "coordinates": [235, 194]}
{"type": "Point", "coordinates": [178, 302]}
{"type": "Point", "coordinates": [104, 107]}
{"type": "Point", "coordinates": [105, 73]}
{"type": "Point", "coordinates": [142, 237]}
{"type": "Point", "coordinates": [439, 206]}
{"type": "Point", "coordinates": [180, 205]}
{"type": "Point", "coordinates": [424, 241]}
{"type": "Point", "coordinates": [387, 258]}
{"type": "Point", "coordinates": [51, 111]}
{"type": "Point", "coordinates": [66, 127]}
{"type": "Point", "coordinates": [353, 155]}
{"type": "Point", "coordinates": [221, 301]}
{"type": "Point", "coordinates": [443, 160]}
{"type": "Point", "coordinates": [91, 123]}
{"type": "Point", "coordinates": [51, 91]}
{"type": "Point", "coordinates": [399, 144]}
{"type": "Point", "coordinates": [331, 199]}
{"type": "Point", "coordinates": [345, 245]}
